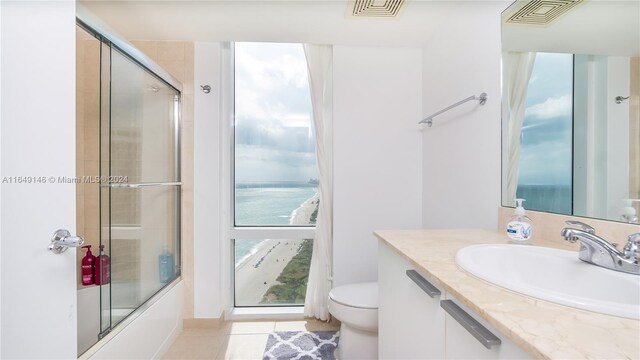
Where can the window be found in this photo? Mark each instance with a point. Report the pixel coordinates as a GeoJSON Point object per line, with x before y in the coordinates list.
{"type": "Point", "coordinates": [545, 168]}
{"type": "Point", "coordinates": [275, 175]}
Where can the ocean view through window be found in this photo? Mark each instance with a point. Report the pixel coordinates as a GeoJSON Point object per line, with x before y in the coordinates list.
{"type": "Point", "coordinates": [275, 173]}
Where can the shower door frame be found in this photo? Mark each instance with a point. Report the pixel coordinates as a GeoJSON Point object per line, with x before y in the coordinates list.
{"type": "Point", "coordinates": [107, 37]}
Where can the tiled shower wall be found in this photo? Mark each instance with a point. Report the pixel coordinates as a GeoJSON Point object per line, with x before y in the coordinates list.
{"type": "Point", "coordinates": [125, 212]}
{"type": "Point", "coordinates": [87, 142]}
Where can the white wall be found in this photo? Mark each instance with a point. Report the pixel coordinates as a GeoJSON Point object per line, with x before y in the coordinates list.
{"type": "Point", "coordinates": [601, 128]}
{"type": "Point", "coordinates": [461, 152]}
{"type": "Point", "coordinates": [377, 153]}
{"type": "Point", "coordinates": [38, 139]}
{"type": "Point", "coordinates": [208, 282]}
{"type": "Point", "coordinates": [618, 136]}
{"type": "Point", "coordinates": [0, 187]}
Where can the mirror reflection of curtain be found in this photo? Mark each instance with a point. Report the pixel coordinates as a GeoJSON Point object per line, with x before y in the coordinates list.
{"type": "Point", "coordinates": [517, 67]}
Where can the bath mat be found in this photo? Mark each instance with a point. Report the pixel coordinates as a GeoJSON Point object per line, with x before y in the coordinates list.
{"type": "Point", "coordinates": [301, 345]}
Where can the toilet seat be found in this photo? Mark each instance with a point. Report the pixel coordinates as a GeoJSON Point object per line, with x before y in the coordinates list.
{"type": "Point", "coordinates": [361, 295]}
{"type": "Point", "coordinates": [356, 305]}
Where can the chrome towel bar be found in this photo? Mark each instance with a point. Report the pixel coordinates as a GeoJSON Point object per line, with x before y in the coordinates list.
{"type": "Point", "coordinates": [482, 98]}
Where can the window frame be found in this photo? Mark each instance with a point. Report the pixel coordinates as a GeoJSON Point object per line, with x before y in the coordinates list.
{"type": "Point", "coordinates": [251, 231]}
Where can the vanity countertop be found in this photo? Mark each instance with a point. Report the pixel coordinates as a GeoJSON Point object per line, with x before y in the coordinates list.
{"type": "Point", "coordinates": [544, 329]}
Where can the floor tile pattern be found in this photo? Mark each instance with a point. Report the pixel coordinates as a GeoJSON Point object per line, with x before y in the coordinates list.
{"type": "Point", "coordinates": [241, 340]}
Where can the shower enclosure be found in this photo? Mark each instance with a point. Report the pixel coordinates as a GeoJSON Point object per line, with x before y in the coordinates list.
{"type": "Point", "coordinates": [128, 180]}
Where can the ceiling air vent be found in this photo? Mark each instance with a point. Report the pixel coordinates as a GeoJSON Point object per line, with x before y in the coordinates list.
{"type": "Point", "coordinates": [377, 8]}
{"type": "Point", "coordinates": [542, 12]}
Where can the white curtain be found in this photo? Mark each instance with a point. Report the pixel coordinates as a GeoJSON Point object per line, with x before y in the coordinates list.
{"type": "Point", "coordinates": [518, 67]}
{"type": "Point", "coordinates": [319, 63]}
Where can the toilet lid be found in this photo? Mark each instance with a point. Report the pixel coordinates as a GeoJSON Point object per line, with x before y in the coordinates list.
{"type": "Point", "coordinates": [361, 295]}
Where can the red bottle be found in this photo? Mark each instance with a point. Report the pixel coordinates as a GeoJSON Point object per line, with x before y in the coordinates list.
{"type": "Point", "coordinates": [88, 265]}
{"type": "Point", "coordinates": [102, 268]}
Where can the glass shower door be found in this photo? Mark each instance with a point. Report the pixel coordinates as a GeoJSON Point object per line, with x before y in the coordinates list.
{"type": "Point", "coordinates": [141, 199]}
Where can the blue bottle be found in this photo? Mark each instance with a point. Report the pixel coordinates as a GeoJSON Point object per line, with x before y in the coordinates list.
{"type": "Point", "coordinates": [165, 261]}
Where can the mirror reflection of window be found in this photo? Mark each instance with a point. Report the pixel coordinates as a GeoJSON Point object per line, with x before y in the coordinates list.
{"type": "Point", "coordinates": [588, 60]}
{"type": "Point", "coordinates": [545, 164]}
{"type": "Point", "coordinates": [602, 140]}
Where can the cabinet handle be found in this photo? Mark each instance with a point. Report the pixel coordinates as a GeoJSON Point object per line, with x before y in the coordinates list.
{"type": "Point", "coordinates": [481, 333]}
{"type": "Point", "coordinates": [423, 283]}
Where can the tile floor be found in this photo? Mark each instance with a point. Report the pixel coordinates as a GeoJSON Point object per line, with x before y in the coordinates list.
{"type": "Point", "coordinates": [242, 340]}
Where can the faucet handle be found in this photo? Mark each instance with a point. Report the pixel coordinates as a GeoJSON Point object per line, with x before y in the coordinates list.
{"type": "Point", "coordinates": [582, 226]}
{"type": "Point", "coordinates": [632, 249]}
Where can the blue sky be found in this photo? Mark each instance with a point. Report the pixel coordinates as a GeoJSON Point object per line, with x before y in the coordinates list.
{"type": "Point", "coordinates": [274, 140]}
{"type": "Point", "coordinates": [546, 153]}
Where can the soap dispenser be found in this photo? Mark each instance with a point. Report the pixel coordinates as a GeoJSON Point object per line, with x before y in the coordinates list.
{"type": "Point", "coordinates": [166, 264]}
{"type": "Point", "coordinates": [519, 228]}
{"type": "Point", "coordinates": [629, 214]}
{"type": "Point", "coordinates": [102, 268]}
{"type": "Point", "coordinates": [88, 262]}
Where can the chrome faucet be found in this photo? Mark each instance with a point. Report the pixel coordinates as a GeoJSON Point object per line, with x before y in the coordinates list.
{"type": "Point", "coordinates": [598, 251]}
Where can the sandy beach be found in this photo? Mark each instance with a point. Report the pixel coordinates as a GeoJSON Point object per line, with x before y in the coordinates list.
{"type": "Point", "coordinates": [257, 273]}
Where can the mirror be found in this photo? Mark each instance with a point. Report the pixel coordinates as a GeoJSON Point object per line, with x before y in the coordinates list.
{"type": "Point", "coordinates": [571, 107]}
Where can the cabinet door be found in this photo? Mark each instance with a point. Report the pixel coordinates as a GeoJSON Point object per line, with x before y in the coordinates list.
{"type": "Point", "coordinates": [411, 323]}
{"type": "Point", "coordinates": [461, 344]}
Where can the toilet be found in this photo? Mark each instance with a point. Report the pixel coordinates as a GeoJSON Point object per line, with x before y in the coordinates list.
{"type": "Point", "coordinates": [356, 306]}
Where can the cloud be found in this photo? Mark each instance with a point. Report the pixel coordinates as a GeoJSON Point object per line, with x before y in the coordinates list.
{"type": "Point", "coordinates": [546, 163]}
{"type": "Point", "coordinates": [259, 163]}
{"type": "Point", "coordinates": [546, 152]}
{"type": "Point", "coordinates": [551, 130]}
{"type": "Point", "coordinates": [271, 83]}
{"type": "Point", "coordinates": [546, 140]}
{"type": "Point", "coordinates": [273, 130]}
{"type": "Point", "coordinates": [273, 135]}
{"type": "Point", "coordinates": [552, 107]}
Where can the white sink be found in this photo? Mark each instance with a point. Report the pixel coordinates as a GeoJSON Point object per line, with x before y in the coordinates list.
{"type": "Point", "coordinates": [554, 275]}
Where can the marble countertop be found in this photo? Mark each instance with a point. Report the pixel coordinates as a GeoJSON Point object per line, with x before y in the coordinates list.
{"type": "Point", "coordinates": [544, 329]}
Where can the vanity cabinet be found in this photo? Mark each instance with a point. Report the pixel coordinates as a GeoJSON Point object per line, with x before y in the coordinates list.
{"type": "Point", "coordinates": [411, 323]}
{"type": "Point", "coordinates": [415, 322]}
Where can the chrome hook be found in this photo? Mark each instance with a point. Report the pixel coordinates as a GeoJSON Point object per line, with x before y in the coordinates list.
{"type": "Point", "coordinates": [620, 99]}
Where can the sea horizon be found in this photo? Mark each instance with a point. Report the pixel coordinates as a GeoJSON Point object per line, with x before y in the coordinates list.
{"type": "Point", "coordinates": [278, 201]}
{"type": "Point", "coordinates": [554, 198]}
{"type": "Point", "coordinates": [276, 184]}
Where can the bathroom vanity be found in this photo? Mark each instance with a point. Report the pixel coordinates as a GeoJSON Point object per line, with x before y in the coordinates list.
{"type": "Point", "coordinates": [430, 308]}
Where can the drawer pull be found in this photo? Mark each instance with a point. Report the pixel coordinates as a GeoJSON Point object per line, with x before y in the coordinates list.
{"type": "Point", "coordinates": [423, 283]}
{"type": "Point", "coordinates": [476, 329]}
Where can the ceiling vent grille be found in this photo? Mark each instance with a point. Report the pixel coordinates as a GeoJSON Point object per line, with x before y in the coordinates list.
{"type": "Point", "coordinates": [377, 8]}
{"type": "Point", "coordinates": [542, 12]}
